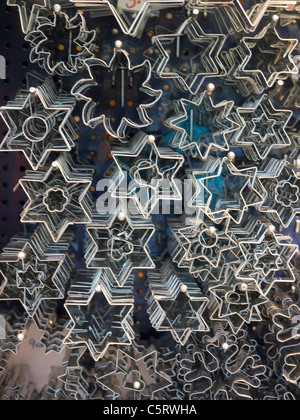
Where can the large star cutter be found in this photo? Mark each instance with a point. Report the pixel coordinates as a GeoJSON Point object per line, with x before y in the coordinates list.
{"type": "Point", "coordinates": [39, 123]}
{"type": "Point", "coordinates": [135, 376]}
{"type": "Point", "coordinates": [131, 24]}
{"type": "Point", "coordinates": [60, 45]}
{"type": "Point", "coordinates": [205, 243]}
{"type": "Point", "coordinates": [147, 168]}
{"type": "Point", "coordinates": [263, 128]}
{"type": "Point", "coordinates": [186, 72]}
{"type": "Point", "coordinates": [101, 318]}
{"type": "Point", "coordinates": [107, 84]}
{"type": "Point", "coordinates": [120, 245]}
{"type": "Point", "coordinates": [201, 127]}
{"type": "Point", "coordinates": [273, 255]}
{"type": "Point", "coordinates": [219, 180]}
{"type": "Point", "coordinates": [176, 304]}
{"type": "Point", "coordinates": [58, 197]}
{"type": "Point", "coordinates": [239, 299]}
{"type": "Point", "coordinates": [264, 73]}
{"type": "Point", "coordinates": [32, 275]}
{"type": "Point", "coordinates": [282, 185]}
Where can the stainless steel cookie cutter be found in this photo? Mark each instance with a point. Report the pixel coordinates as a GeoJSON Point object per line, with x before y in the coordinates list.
{"type": "Point", "coordinates": [201, 127]}
{"type": "Point", "coordinates": [148, 169]}
{"type": "Point", "coordinates": [15, 324]}
{"type": "Point", "coordinates": [60, 44]}
{"type": "Point", "coordinates": [174, 61]}
{"type": "Point", "coordinates": [39, 122]}
{"type": "Point", "coordinates": [225, 191]}
{"type": "Point", "coordinates": [35, 270]}
{"type": "Point", "coordinates": [101, 316]}
{"type": "Point", "coordinates": [119, 242]}
{"type": "Point", "coordinates": [114, 78]}
{"type": "Point", "coordinates": [205, 242]}
{"type": "Point", "coordinates": [176, 303]}
{"type": "Point", "coordinates": [58, 196]}
{"type": "Point", "coordinates": [282, 185]}
{"type": "Point", "coordinates": [136, 375]}
{"type": "Point", "coordinates": [238, 298]}
{"type": "Point", "coordinates": [263, 128]}
{"type": "Point", "coordinates": [247, 62]}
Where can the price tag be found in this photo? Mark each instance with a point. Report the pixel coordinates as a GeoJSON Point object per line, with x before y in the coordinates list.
{"type": "Point", "coordinates": [131, 5]}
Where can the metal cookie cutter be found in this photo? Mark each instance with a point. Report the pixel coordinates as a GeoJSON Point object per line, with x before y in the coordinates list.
{"type": "Point", "coordinates": [39, 122]}
{"type": "Point", "coordinates": [200, 126]}
{"type": "Point", "coordinates": [243, 17]}
{"type": "Point", "coordinates": [218, 367]}
{"type": "Point", "coordinates": [176, 303]}
{"type": "Point", "coordinates": [204, 243]}
{"type": "Point", "coordinates": [264, 59]}
{"type": "Point", "coordinates": [132, 16]}
{"type": "Point", "coordinates": [238, 298]}
{"type": "Point", "coordinates": [101, 315]}
{"type": "Point", "coordinates": [119, 243]}
{"type": "Point", "coordinates": [58, 196]}
{"type": "Point", "coordinates": [263, 128]}
{"type": "Point", "coordinates": [273, 254]}
{"type": "Point", "coordinates": [60, 44]}
{"type": "Point", "coordinates": [28, 11]}
{"type": "Point", "coordinates": [282, 185]}
{"type": "Point", "coordinates": [189, 56]}
{"type": "Point", "coordinates": [136, 375]}
{"type": "Point", "coordinates": [34, 270]}
{"type": "Point", "coordinates": [147, 168]}
{"type": "Point", "coordinates": [224, 191]}
{"type": "Point", "coordinates": [105, 93]}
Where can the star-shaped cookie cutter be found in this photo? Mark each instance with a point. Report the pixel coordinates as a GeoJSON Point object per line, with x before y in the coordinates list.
{"type": "Point", "coordinates": [35, 269]}
{"type": "Point", "coordinates": [39, 122]}
{"type": "Point", "coordinates": [186, 72]}
{"type": "Point", "coordinates": [119, 243]}
{"type": "Point", "coordinates": [239, 299]}
{"type": "Point", "coordinates": [263, 128]}
{"type": "Point", "coordinates": [282, 185]}
{"type": "Point", "coordinates": [176, 303]}
{"type": "Point", "coordinates": [136, 375]}
{"type": "Point", "coordinates": [101, 315]}
{"type": "Point", "coordinates": [224, 191]}
{"type": "Point", "coordinates": [201, 127]}
{"type": "Point", "coordinates": [150, 171]}
{"type": "Point", "coordinates": [58, 196]}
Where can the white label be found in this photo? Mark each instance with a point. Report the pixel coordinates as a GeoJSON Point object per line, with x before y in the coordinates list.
{"type": "Point", "coordinates": [131, 5]}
